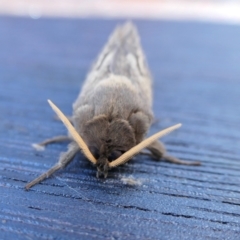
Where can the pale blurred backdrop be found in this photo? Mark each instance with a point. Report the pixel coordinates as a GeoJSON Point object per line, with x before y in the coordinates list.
{"type": "Point", "coordinates": [203, 10]}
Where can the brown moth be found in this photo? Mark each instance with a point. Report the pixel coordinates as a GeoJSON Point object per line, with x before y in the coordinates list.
{"type": "Point", "coordinates": [113, 112]}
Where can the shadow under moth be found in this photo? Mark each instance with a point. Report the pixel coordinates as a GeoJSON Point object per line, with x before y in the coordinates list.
{"type": "Point", "coordinates": [113, 111]}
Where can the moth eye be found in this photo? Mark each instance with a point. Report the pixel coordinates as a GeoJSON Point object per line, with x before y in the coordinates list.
{"type": "Point", "coordinates": [114, 155]}
{"type": "Point", "coordinates": [94, 151]}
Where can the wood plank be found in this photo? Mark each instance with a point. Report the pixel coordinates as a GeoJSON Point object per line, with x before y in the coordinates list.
{"type": "Point", "coordinates": [196, 72]}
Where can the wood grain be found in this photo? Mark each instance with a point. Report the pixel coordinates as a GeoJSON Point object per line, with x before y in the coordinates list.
{"type": "Point", "coordinates": [196, 72]}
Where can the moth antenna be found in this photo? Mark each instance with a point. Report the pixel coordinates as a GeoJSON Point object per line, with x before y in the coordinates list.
{"type": "Point", "coordinates": [83, 146]}
{"type": "Point", "coordinates": [133, 151]}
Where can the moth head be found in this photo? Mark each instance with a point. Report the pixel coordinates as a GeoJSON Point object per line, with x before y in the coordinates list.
{"type": "Point", "coordinates": [118, 136]}
{"type": "Point", "coordinates": [110, 137]}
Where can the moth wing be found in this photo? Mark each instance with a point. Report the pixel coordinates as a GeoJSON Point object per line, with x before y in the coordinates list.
{"type": "Point", "coordinates": [122, 58]}
{"type": "Point", "coordinates": [122, 55]}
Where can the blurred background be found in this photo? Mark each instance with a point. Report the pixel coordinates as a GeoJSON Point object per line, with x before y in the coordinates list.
{"type": "Point", "coordinates": [211, 10]}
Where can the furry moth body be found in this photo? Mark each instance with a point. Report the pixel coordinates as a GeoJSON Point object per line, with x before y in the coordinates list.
{"type": "Point", "coordinates": [113, 112]}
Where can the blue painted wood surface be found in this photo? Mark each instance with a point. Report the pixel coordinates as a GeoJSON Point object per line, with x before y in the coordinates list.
{"type": "Point", "coordinates": [196, 74]}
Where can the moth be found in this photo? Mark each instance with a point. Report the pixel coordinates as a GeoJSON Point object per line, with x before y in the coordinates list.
{"type": "Point", "coordinates": [113, 112]}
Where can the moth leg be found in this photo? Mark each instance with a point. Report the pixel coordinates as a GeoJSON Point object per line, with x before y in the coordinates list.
{"type": "Point", "coordinates": [40, 146]}
{"type": "Point", "coordinates": [64, 159]}
{"type": "Point", "coordinates": [158, 151]}
{"type": "Point", "coordinates": [147, 154]}
{"type": "Point", "coordinates": [55, 140]}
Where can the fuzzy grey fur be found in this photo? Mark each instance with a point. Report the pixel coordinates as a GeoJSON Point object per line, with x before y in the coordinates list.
{"type": "Point", "coordinates": [113, 111]}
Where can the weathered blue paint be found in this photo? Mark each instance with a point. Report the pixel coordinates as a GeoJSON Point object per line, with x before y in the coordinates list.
{"type": "Point", "coordinates": [197, 82]}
